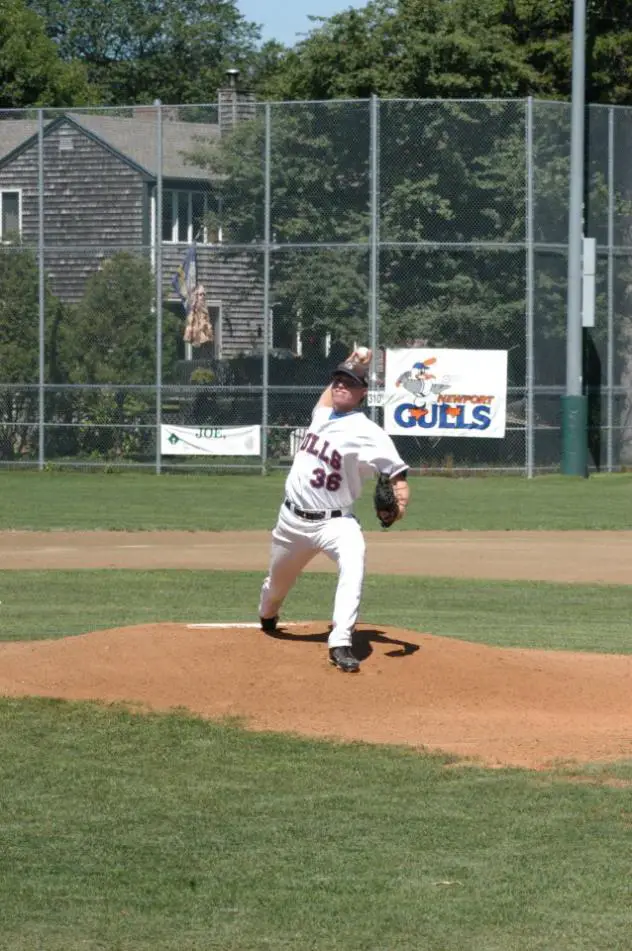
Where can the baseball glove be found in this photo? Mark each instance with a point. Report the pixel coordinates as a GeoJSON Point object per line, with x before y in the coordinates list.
{"type": "Point", "coordinates": [386, 507]}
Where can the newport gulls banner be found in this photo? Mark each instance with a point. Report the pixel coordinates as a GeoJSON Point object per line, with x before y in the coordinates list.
{"type": "Point", "coordinates": [446, 393]}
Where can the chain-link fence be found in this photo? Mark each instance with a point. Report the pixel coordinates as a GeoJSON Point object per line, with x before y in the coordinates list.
{"type": "Point", "coordinates": [314, 226]}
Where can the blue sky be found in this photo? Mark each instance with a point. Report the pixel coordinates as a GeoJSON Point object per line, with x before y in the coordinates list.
{"type": "Point", "coordinates": [283, 19]}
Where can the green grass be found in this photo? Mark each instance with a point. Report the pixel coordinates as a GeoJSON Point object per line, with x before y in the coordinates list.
{"type": "Point", "coordinates": [136, 501]}
{"type": "Point", "coordinates": [164, 833]}
{"type": "Point", "coordinates": [122, 832]}
{"type": "Point", "coordinates": [41, 604]}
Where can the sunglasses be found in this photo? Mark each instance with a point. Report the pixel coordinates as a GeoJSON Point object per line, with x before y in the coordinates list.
{"type": "Point", "coordinates": [347, 382]}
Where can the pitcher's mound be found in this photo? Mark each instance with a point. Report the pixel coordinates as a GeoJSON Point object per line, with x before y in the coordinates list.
{"type": "Point", "coordinates": [497, 706]}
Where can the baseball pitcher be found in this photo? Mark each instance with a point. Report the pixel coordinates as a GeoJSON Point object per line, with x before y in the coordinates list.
{"type": "Point", "coordinates": [341, 449]}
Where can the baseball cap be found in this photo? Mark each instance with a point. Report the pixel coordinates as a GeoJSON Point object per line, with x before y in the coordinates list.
{"type": "Point", "coordinates": [356, 371]}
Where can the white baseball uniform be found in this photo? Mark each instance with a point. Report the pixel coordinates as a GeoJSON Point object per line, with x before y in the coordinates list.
{"type": "Point", "coordinates": [338, 452]}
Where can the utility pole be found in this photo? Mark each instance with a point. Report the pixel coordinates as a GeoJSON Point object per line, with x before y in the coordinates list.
{"type": "Point", "coordinates": [575, 403]}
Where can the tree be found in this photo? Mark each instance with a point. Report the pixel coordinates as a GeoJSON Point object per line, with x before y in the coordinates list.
{"type": "Point", "coordinates": [140, 50]}
{"type": "Point", "coordinates": [19, 350]}
{"type": "Point", "coordinates": [452, 176]}
{"type": "Point", "coordinates": [412, 48]}
{"type": "Point", "coordinates": [452, 193]}
{"type": "Point", "coordinates": [265, 65]}
{"type": "Point", "coordinates": [544, 29]}
{"type": "Point", "coordinates": [455, 174]}
{"type": "Point", "coordinates": [460, 49]}
{"type": "Point", "coordinates": [31, 70]}
{"type": "Point", "coordinates": [111, 340]}
{"type": "Point", "coordinates": [112, 336]}
{"type": "Point", "coordinates": [320, 195]}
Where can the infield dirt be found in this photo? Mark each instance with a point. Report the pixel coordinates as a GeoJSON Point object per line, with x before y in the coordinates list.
{"type": "Point", "coordinates": [496, 706]}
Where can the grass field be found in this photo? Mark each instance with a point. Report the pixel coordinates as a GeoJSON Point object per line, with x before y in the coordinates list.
{"type": "Point", "coordinates": [162, 832]}
{"type": "Point", "coordinates": [510, 614]}
{"type": "Point", "coordinates": [137, 501]}
{"type": "Point", "coordinates": [122, 832]}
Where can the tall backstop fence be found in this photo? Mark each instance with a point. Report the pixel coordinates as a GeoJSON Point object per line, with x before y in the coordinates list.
{"type": "Point", "coordinates": [303, 228]}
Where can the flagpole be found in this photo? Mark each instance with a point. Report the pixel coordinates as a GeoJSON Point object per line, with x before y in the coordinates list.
{"type": "Point", "coordinates": [574, 403]}
{"type": "Point", "coordinates": [41, 278]}
{"type": "Point", "coordinates": [266, 295]}
{"type": "Point", "coordinates": [158, 250]}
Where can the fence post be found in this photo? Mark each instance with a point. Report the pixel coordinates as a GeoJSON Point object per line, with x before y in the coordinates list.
{"type": "Point", "coordinates": [375, 241]}
{"type": "Point", "coordinates": [41, 274]}
{"type": "Point", "coordinates": [529, 327]}
{"type": "Point", "coordinates": [266, 292]}
{"type": "Point", "coordinates": [610, 339]}
{"type": "Point", "coordinates": [158, 260]}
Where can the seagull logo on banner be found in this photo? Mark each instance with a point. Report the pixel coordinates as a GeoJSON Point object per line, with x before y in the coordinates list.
{"type": "Point", "coordinates": [421, 383]}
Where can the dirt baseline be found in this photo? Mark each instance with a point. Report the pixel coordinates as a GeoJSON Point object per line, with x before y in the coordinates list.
{"type": "Point", "coordinates": [576, 557]}
{"type": "Point", "coordinates": [495, 706]}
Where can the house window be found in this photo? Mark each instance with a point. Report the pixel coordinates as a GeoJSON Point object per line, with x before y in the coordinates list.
{"type": "Point", "coordinates": [284, 332]}
{"type": "Point", "coordinates": [310, 343]}
{"type": "Point", "coordinates": [288, 334]}
{"type": "Point", "coordinates": [185, 217]}
{"type": "Point", "coordinates": [10, 215]}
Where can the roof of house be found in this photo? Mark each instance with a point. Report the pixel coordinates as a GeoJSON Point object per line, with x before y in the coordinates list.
{"type": "Point", "coordinates": [133, 138]}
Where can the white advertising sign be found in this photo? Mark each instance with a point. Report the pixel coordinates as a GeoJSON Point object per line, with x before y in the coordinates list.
{"type": "Point", "coordinates": [446, 393]}
{"type": "Point", "coordinates": [210, 440]}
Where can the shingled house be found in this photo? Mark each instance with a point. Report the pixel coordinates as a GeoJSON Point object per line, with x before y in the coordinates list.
{"type": "Point", "coordinates": [99, 191]}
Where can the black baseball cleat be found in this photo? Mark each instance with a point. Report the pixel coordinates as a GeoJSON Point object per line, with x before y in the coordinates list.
{"type": "Point", "coordinates": [268, 624]}
{"type": "Point", "coordinates": [343, 659]}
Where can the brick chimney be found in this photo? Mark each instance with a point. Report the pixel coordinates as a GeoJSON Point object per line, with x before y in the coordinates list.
{"type": "Point", "coordinates": [234, 104]}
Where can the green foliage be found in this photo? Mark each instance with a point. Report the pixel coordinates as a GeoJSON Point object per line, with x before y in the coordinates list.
{"type": "Point", "coordinates": [113, 334]}
{"type": "Point", "coordinates": [137, 50]}
{"type": "Point", "coordinates": [451, 175]}
{"type": "Point", "coordinates": [464, 49]}
{"type": "Point", "coordinates": [178, 50]}
{"type": "Point", "coordinates": [320, 193]}
{"type": "Point", "coordinates": [110, 342]}
{"type": "Point", "coordinates": [202, 376]}
{"type": "Point", "coordinates": [31, 70]}
{"type": "Point", "coordinates": [19, 316]}
{"type": "Point", "coordinates": [412, 48]}
{"type": "Point", "coordinates": [19, 349]}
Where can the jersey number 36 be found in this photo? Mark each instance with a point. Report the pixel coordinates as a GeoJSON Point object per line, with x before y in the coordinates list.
{"type": "Point", "coordinates": [321, 480]}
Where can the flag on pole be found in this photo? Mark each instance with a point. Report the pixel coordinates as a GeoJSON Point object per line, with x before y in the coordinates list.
{"type": "Point", "coordinates": [185, 278]}
{"type": "Point", "coordinates": [198, 328]}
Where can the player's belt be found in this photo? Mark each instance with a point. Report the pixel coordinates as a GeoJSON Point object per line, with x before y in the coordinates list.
{"type": "Point", "coordinates": [312, 516]}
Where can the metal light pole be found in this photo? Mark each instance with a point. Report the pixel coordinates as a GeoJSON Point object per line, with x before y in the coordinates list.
{"type": "Point", "coordinates": [574, 403]}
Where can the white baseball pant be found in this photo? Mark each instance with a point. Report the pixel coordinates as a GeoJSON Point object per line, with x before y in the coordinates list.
{"type": "Point", "coordinates": [295, 541]}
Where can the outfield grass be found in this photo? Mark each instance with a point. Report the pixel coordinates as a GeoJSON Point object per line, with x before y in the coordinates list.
{"type": "Point", "coordinates": [165, 833]}
{"type": "Point", "coordinates": [136, 501]}
{"type": "Point", "coordinates": [39, 604]}
{"type": "Point", "coordinates": [122, 832]}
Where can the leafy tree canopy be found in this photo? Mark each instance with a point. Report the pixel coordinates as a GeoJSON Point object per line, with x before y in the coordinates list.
{"type": "Point", "coordinates": [112, 338]}
{"type": "Point", "coordinates": [140, 50]}
{"type": "Point", "coordinates": [459, 49]}
{"type": "Point", "coordinates": [32, 72]}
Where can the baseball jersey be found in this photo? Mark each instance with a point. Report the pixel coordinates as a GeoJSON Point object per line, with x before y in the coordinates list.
{"type": "Point", "coordinates": [337, 453]}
